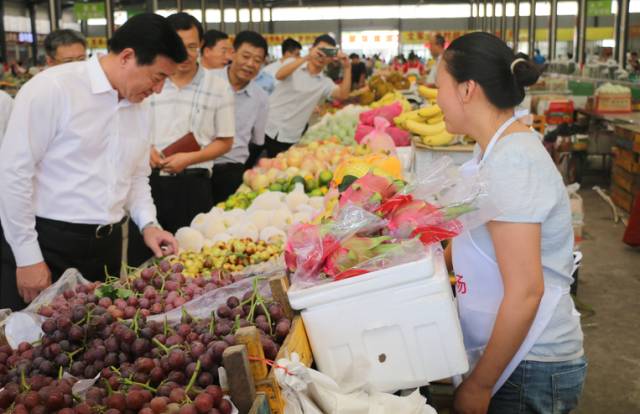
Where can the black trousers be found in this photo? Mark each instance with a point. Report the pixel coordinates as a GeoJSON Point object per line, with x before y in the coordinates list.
{"type": "Point", "coordinates": [255, 151]}
{"type": "Point", "coordinates": [225, 180]}
{"type": "Point", "coordinates": [65, 245]}
{"type": "Point", "coordinates": [178, 199]}
{"type": "Point", "coordinates": [274, 147]}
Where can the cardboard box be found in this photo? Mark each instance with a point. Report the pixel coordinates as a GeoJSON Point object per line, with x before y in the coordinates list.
{"type": "Point", "coordinates": [613, 103]}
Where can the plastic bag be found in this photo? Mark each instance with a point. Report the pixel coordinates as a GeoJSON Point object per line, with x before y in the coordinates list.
{"type": "Point", "coordinates": [307, 391]}
{"type": "Point", "coordinates": [362, 131]}
{"type": "Point", "coordinates": [378, 140]}
{"type": "Point", "coordinates": [309, 245]}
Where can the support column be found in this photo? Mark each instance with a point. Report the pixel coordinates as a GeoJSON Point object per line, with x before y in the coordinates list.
{"type": "Point", "coordinates": [553, 29]}
{"type": "Point", "coordinates": [581, 33]}
{"type": "Point", "coordinates": [203, 11]}
{"type": "Point", "coordinates": [622, 32]}
{"type": "Point", "coordinates": [236, 27]}
{"type": "Point", "coordinates": [532, 28]}
{"type": "Point", "coordinates": [484, 16]}
{"type": "Point", "coordinates": [108, 11]}
{"type": "Point", "coordinates": [222, 25]}
{"type": "Point", "coordinates": [516, 26]}
{"type": "Point", "coordinates": [250, 14]}
{"type": "Point", "coordinates": [493, 17]}
{"type": "Point", "coordinates": [179, 5]}
{"type": "Point", "coordinates": [261, 25]}
{"type": "Point", "coordinates": [503, 21]}
{"type": "Point", "coordinates": [53, 15]}
{"type": "Point", "coordinates": [3, 39]}
{"type": "Point", "coordinates": [34, 33]}
{"type": "Point", "coordinates": [149, 6]}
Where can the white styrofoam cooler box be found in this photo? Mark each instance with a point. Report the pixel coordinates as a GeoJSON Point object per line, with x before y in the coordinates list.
{"type": "Point", "coordinates": [401, 320]}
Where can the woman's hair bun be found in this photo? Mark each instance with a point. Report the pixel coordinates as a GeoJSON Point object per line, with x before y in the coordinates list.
{"type": "Point", "coordinates": [525, 71]}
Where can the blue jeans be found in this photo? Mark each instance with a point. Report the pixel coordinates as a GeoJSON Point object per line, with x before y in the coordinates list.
{"type": "Point", "coordinates": [541, 387]}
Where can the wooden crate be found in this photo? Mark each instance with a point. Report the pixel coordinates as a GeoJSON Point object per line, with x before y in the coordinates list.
{"type": "Point", "coordinates": [626, 180]}
{"type": "Point", "coordinates": [246, 365]}
{"type": "Point", "coordinates": [627, 160]}
{"type": "Point", "coordinates": [622, 198]}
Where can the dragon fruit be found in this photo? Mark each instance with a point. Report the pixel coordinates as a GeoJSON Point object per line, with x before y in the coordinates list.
{"type": "Point", "coordinates": [353, 251]}
{"type": "Point", "coordinates": [368, 192]}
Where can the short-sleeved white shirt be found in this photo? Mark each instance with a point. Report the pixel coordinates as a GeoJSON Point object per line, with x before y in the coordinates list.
{"type": "Point", "coordinates": [527, 188]}
{"type": "Point", "coordinates": [293, 101]}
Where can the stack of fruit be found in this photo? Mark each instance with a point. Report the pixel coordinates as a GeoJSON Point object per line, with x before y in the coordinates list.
{"type": "Point", "coordinates": [309, 164]}
{"type": "Point", "coordinates": [381, 86]}
{"type": "Point", "coordinates": [230, 256]}
{"type": "Point", "coordinates": [342, 125]}
{"type": "Point", "coordinates": [144, 366]}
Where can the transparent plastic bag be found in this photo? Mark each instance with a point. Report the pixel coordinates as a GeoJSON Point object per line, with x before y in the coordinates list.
{"type": "Point", "coordinates": [309, 245]}
{"type": "Point", "coordinates": [69, 280]}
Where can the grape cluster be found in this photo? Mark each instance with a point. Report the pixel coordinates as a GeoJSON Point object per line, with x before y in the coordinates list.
{"type": "Point", "coordinates": [143, 366]}
{"type": "Point", "coordinates": [154, 290]}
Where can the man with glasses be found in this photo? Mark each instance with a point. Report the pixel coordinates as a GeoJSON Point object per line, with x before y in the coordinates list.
{"type": "Point", "coordinates": [64, 46]}
{"type": "Point", "coordinates": [192, 123]}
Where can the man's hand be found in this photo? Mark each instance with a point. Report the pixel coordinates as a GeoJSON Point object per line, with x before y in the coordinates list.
{"type": "Point", "coordinates": [176, 163]}
{"type": "Point", "coordinates": [32, 279]}
{"type": "Point", "coordinates": [344, 60]}
{"type": "Point", "coordinates": [156, 239]}
{"type": "Point", "coordinates": [471, 398]}
{"type": "Point", "coordinates": [156, 158]}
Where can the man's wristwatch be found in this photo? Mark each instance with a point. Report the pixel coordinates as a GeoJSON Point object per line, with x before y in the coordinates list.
{"type": "Point", "coordinates": [150, 224]}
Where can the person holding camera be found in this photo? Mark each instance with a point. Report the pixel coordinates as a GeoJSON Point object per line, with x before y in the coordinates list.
{"type": "Point", "coordinates": [301, 86]}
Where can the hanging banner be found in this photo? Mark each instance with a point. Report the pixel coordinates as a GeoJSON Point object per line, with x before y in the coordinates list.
{"type": "Point", "coordinates": [565, 34]}
{"type": "Point", "coordinates": [84, 11]}
{"type": "Point", "coordinates": [419, 37]}
{"type": "Point", "coordinates": [276, 39]}
{"type": "Point", "coordinates": [97, 42]}
{"type": "Point", "coordinates": [598, 7]}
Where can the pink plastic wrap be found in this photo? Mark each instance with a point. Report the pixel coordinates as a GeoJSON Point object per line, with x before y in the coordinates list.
{"type": "Point", "coordinates": [362, 131]}
{"type": "Point", "coordinates": [378, 139]}
{"type": "Point", "coordinates": [388, 112]}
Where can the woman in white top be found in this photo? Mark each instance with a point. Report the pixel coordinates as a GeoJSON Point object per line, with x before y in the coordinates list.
{"type": "Point", "coordinates": [521, 330]}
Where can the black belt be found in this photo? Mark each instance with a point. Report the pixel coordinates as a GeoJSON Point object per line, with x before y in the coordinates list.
{"type": "Point", "coordinates": [100, 231]}
{"type": "Point", "coordinates": [197, 172]}
{"type": "Point", "coordinates": [227, 166]}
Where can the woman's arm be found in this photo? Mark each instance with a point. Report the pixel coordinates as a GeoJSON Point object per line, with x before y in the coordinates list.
{"type": "Point", "coordinates": [517, 247]}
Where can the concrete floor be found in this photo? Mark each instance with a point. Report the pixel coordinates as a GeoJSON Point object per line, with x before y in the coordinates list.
{"type": "Point", "coordinates": [609, 284]}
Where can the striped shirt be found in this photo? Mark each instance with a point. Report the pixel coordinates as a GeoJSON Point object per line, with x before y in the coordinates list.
{"type": "Point", "coordinates": [205, 107]}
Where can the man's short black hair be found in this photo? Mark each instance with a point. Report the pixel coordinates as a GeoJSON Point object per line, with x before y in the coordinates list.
{"type": "Point", "coordinates": [354, 56]}
{"type": "Point", "coordinates": [326, 39]}
{"type": "Point", "coordinates": [212, 37]}
{"type": "Point", "coordinates": [185, 21]}
{"type": "Point", "coordinates": [290, 45]}
{"type": "Point", "coordinates": [439, 40]}
{"type": "Point", "coordinates": [63, 37]}
{"type": "Point", "coordinates": [253, 38]}
{"type": "Point", "coordinates": [149, 35]}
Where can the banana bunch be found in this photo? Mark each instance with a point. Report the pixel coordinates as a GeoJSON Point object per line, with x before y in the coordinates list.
{"type": "Point", "coordinates": [430, 94]}
{"type": "Point", "coordinates": [390, 98]}
{"type": "Point", "coordinates": [428, 123]}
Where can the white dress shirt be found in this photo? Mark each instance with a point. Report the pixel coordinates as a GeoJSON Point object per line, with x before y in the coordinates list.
{"type": "Point", "coordinates": [6, 105]}
{"type": "Point", "coordinates": [205, 107]}
{"type": "Point", "coordinates": [273, 68]}
{"type": "Point", "coordinates": [73, 152]}
{"type": "Point", "coordinates": [252, 105]}
{"type": "Point", "coordinates": [433, 73]}
{"type": "Point", "coordinates": [293, 102]}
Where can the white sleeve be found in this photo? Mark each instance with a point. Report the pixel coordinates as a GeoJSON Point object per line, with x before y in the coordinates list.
{"type": "Point", "coordinates": [33, 124]}
{"type": "Point", "coordinates": [139, 201]}
{"type": "Point", "coordinates": [6, 105]}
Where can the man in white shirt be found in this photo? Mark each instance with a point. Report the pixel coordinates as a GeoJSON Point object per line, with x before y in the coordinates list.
{"type": "Point", "coordinates": [290, 49]}
{"type": "Point", "coordinates": [303, 85]}
{"type": "Point", "coordinates": [65, 46]}
{"type": "Point", "coordinates": [251, 106]}
{"type": "Point", "coordinates": [437, 49]}
{"type": "Point", "coordinates": [194, 105]}
{"type": "Point", "coordinates": [75, 159]}
{"type": "Point", "coordinates": [216, 50]}
{"type": "Point", "coordinates": [6, 105]}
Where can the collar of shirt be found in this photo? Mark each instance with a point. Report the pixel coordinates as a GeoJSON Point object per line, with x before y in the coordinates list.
{"type": "Point", "coordinates": [194, 82]}
{"type": "Point", "coordinates": [247, 90]}
{"type": "Point", "coordinates": [306, 69]}
{"type": "Point", "coordinates": [99, 81]}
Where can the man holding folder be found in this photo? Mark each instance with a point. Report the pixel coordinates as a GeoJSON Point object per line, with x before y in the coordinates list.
{"type": "Point", "coordinates": [192, 123]}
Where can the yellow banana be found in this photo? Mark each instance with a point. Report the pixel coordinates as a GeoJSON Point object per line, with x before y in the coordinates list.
{"type": "Point", "coordinates": [429, 111]}
{"type": "Point", "coordinates": [435, 120]}
{"type": "Point", "coordinates": [422, 129]}
{"type": "Point", "coordinates": [439, 139]}
{"type": "Point", "coordinates": [403, 117]}
{"type": "Point", "coordinates": [428, 93]}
